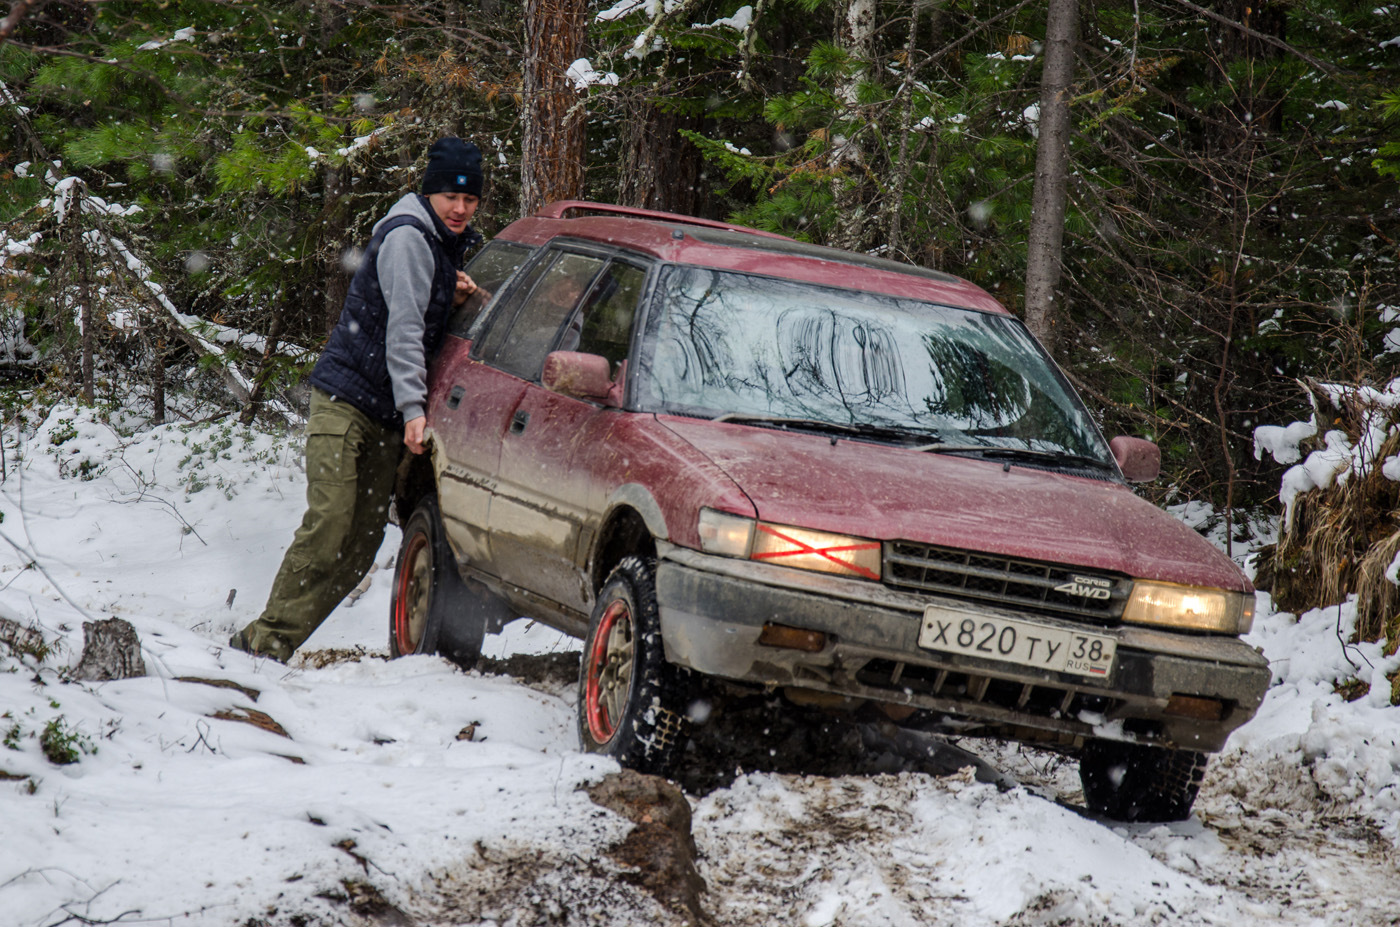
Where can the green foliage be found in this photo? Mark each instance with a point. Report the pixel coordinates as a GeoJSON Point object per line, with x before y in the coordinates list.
{"type": "Point", "coordinates": [13, 733]}
{"type": "Point", "coordinates": [1388, 162]}
{"type": "Point", "coordinates": [946, 154]}
{"type": "Point", "coordinates": [830, 62]}
{"type": "Point", "coordinates": [62, 744]}
{"type": "Point", "coordinates": [240, 130]}
{"type": "Point", "coordinates": [63, 432]}
{"type": "Point", "coordinates": [1219, 187]}
{"type": "Point", "coordinates": [1232, 211]}
{"type": "Point", "coordinates": [223, 455]}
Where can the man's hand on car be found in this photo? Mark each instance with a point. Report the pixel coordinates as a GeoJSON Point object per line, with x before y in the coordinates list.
{"type": "Point", "coordinates": [413, 433]}
{"type": "Point", "coordinates": [466, 288]}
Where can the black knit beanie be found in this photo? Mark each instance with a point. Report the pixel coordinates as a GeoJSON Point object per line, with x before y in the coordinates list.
{"type": "Point", "coordinates": [454, 166]}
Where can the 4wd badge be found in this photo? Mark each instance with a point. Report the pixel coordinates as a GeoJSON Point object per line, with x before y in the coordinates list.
{"type": "Point", "coordinates": [1087, 587]}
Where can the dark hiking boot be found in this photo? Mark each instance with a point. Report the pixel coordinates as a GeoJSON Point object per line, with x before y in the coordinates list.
{"type": "Point", "coordinates": [239, 641]}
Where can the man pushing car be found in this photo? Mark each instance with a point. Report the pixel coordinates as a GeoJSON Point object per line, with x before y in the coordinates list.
{"type": "Point", "coordinates": [368, 395]}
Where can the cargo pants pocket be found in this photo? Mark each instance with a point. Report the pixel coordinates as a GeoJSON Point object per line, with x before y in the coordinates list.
{"type": "Point", "coordinates": [327, 455]}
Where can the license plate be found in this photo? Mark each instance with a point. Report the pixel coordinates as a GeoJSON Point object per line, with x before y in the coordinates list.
{"type": "Point", "coordinates": [1019, 642]}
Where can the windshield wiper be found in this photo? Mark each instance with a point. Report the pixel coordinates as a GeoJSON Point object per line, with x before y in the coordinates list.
{"type": "Point", "coordinates": [1055, 457]}
{"type": "Point", "coordinates": [854, 429]}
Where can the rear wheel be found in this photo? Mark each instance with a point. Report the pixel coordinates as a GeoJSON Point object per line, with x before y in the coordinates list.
{"type": "Point", "coordinates": [631, 703]}
{"type": "Point", "coordinates": [431, 610]}
{"type": "Point", "coordinates": [1136, 782]}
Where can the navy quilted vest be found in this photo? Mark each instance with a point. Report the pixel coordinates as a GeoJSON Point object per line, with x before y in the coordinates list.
{"type": "Point", "coordinates": [353, 365]}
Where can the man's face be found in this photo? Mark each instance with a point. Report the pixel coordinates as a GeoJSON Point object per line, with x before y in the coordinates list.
{"type": "Point", "coordinates": [454, 209]}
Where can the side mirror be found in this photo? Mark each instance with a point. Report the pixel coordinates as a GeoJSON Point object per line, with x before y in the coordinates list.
{"type": "Point", "coordinates": [583, 376]}
{"type": "Point", "coordinates": [1139, 459]}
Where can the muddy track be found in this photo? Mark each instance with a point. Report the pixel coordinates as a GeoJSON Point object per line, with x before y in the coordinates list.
{"type": "Point", "coordinates": [835, 799]}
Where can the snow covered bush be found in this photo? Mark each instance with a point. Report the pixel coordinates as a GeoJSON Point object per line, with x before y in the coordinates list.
{"type": "Point", "coordinates": [1340, 533]}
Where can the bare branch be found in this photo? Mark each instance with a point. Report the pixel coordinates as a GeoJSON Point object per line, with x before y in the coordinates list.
{"type": "Point", "coordinates": [1261, 36]}
{"type": "Point", "coordinates": [11, 22]}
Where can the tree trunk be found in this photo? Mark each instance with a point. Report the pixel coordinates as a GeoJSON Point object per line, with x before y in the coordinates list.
{"type": "Point", "coordinates": [111, 650]}
{"type": "Point", "coordinates": [660, 168]}
{"type": "Point", "coordinates": [551, 162]}
{"type": "Point", "coordinates": [892, 209]}
{"type": "Point", "coordinates": [334, 221]}
{"type": "Point", "coordinates": [72, 229]}
{"type": "Point", "coordinates": [1051, 172]}
{"type": "Point", "coordinates": [855, 33]}
{"type": "Point", "coordinates": [265, 371]}
{"type": "Point", "coordinates": [85, 294]}
{"type": "Point", "coordinates": [158, 382]}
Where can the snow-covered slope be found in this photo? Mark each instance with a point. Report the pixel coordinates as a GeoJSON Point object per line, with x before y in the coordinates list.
{"type": "Point", "coordinates": [455, 797]}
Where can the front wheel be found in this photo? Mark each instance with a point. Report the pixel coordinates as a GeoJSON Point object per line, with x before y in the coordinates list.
{"type": "Point", "coordinates": [429, 613]}
{"type": "Point", "coordinates": [1137, 782]}
{"type": "Point", "coordinates": [632, 703]}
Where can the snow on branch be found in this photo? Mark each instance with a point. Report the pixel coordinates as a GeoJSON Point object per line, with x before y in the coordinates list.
{"type": "Point", "coordinates": [181, 35]}
{"type": "Point", "coordinates": [660, 11]}
{"type": "Point", "coordinates": [205, 338]}
{"type": "Point", "coordinates": [202, 336]}
{"type": "Point", "coordinates": [1342, 456]}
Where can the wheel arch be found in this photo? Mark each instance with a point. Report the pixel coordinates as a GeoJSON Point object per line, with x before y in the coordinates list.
{"type": "Point", "coordinates": [633, 524]}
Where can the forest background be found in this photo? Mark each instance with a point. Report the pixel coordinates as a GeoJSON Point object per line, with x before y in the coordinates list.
{"type": "Point", "coordinates": [184, 185]}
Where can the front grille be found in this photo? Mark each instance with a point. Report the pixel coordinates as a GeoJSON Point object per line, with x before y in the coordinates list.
{"type": "Point", "coordinates": [1043, 700]}
{"type": "Point", "coordinates": [1024, 585]}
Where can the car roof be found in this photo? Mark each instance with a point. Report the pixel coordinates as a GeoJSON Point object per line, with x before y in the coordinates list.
{"type": "Point", "coordinates": [725, 246]}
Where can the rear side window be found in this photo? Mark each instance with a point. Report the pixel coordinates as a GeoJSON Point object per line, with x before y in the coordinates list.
{"type": "Point", "coordinates": [519, 337]}
{"type": "Point", "coordinates": [489, 270]}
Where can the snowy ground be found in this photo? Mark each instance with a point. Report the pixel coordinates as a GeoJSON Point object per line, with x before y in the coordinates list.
{"type": "Point", "coordinates": [408, 792]}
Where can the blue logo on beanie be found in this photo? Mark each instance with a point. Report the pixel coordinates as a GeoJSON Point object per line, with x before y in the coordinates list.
{"type": "Point", "coordinates": [461, 180]}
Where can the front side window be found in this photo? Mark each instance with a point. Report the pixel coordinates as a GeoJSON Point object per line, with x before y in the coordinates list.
{"type": "Point", "coordinates": [489, 270]}
{"type": "Point", "coordinates": [743, 346]}
{"type": "Point", "coordinates": [518, 341]}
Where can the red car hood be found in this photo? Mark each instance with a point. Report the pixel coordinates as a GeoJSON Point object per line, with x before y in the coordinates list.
{"type": "Point", "coordinates": [885, 493]}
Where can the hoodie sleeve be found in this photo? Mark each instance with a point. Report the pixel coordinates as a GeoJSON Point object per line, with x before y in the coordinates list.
{"type": "Point", "coordinates": [406, 266]}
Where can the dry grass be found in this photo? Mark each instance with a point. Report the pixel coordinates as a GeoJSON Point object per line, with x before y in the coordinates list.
{"type": "Point", "coordinates": [1378, 599]}
{"type": "Point", "coordinates": [1339, 541]}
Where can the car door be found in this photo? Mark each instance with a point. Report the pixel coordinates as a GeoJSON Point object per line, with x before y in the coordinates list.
{"type": "Point", "coordinates": [470, 402]}
{"type": "Point", "coordinates": [541, 524]}
{"type": "Point", "coordinates": [508, 348]}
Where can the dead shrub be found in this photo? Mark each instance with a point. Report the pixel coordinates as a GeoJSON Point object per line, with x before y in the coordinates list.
{"type": "Point", "coordinates": [1340, 540]}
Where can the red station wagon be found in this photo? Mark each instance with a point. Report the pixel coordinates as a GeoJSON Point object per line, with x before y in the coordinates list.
{"type": "Point", "coordinates": [711, 451]}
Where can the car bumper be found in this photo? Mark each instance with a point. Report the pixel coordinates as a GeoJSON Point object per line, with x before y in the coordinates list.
{"type": "Point", "coordinates": [1164, 688]}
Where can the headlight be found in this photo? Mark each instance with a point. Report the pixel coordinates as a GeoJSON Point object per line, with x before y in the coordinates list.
{"type": "Point", "coordinates": [785, 545]}
{"type": "Point", "coordinates": [1195, 608]}
{"type": "Point", "coordinates": [721, 533]}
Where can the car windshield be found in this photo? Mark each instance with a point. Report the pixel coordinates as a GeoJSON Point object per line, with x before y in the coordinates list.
{"type": "Point", "coordinates": [757, 348]}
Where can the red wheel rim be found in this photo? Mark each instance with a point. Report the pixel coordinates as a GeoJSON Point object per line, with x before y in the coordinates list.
{"type": "Point", "coordinates": [411, 595]}
{"type": "Point", "coordinates": [609, 676]}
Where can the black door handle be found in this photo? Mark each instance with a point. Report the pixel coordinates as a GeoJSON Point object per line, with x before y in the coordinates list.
{"type": "Point", "coordinates": [518, 423]}
{"type": "Point", "coordinates": [454, 399]}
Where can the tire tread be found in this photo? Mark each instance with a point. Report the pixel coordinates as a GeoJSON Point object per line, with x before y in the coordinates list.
{"type": "Point", "coordinates": [1140, 782]}
{"type": "Point", "coordinates": [654, 731]}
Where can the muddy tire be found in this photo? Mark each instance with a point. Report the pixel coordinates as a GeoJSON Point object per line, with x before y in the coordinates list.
{"type": "Point", "coordinates": [632, 703]}
{"type": "Point", "coordinates": [431, 610]}
{"type": "Point", "coordinates": [1135, 782]}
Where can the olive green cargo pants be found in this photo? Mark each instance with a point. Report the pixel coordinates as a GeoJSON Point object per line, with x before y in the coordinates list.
{"type": "Point", "coordinates": [350, 464]}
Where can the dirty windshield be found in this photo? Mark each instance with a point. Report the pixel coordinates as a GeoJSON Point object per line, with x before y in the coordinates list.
{"type": "Point", "coordinates": [759, 349]}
